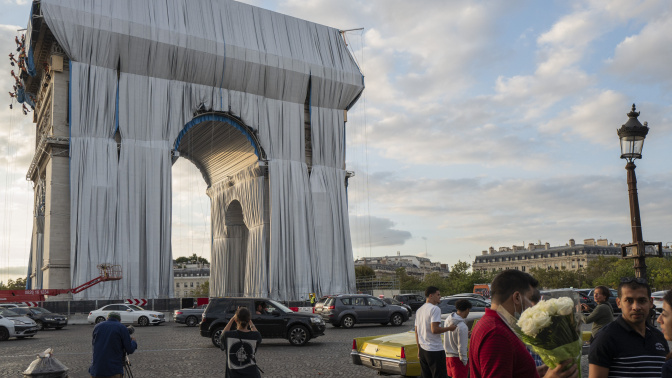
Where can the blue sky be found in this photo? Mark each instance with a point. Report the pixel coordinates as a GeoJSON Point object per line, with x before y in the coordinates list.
{"type": "Point", "coordinates": [483, 123]}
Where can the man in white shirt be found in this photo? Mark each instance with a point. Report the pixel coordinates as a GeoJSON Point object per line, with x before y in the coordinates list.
{"type": "Point", "coordinates": [455, 343]}
{"type": "Point", "coordinates": [428, 332]}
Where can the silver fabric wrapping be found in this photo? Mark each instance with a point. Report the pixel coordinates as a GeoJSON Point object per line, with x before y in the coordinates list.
{"type": "Point", "coordinates": [173, 57]}
{"type": "Point", "coordinates": [330, 206]}
{"type": "Point", "coordinates": [93, 175]}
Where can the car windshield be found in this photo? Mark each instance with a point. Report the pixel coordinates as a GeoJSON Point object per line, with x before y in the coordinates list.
{"type": "Point", "coordinates": [136, 308]}
{"type": "Point", "coordinates": [280, 306]}
{"type": "Point", "coordinates": [6, 312]}
{"type": "Point", "coordinates": [40, 310]}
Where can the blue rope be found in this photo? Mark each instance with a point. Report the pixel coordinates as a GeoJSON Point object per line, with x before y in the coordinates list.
{"type": "Point", "coordinates": [216, 117]}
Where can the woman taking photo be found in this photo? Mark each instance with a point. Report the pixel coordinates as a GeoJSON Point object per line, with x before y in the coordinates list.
{"type": "Point", "coordinates": [665, 321]}
{"type": "Point", "coordinates": [241, 346]}
{"type": "Point", "coordinates": [602, 314]}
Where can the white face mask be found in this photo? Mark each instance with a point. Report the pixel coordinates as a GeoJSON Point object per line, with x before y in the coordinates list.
{"type": "Point", "coordinates": [511, 320]}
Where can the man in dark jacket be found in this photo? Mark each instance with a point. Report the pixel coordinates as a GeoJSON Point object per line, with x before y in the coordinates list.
{"type": "Point", "coordinates": [111, 342]}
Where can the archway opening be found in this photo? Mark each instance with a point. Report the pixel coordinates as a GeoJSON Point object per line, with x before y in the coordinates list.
{"type": "Point", "coordinates": [190, 222]}
{"type": "Point", "coordinates": [226, 154]}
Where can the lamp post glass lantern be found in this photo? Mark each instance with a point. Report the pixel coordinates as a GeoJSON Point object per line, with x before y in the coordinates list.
{"type": "Point", "coordinates": [632, 135]}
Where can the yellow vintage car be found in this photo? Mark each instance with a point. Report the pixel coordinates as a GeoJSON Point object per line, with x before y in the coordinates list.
{"type": "Point", "coordinates": [398, 353]}
{"type": "Point", "coordinates": [394, 354]}
{"type": "Point", "coordinates": [389, 354]}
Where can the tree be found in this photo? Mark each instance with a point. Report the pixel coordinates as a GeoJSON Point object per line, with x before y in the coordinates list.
{"type": "Point", "coordinates": [191, 259]}
{"type": "Point", "coordinates": [408, 283]}
{"type": "Point", "coordinates": [203, 290]}
{"type": "Point", "coordinates": [19, 284]}
{"type": "Point", "coordinates": [364, 271]}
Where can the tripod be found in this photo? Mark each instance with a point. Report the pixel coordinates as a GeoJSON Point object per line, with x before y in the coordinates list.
{"type": "Point", "coordinates": [127, 366]}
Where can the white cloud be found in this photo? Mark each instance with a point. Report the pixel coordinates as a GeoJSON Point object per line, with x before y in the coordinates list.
{"type": "Point", "coordinates": [646, 57]}
{"type": "Point", "coordinates": [376, 232]}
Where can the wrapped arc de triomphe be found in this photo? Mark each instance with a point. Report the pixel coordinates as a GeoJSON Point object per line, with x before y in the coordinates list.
{"type": "Point", "coordinates": [255, 99]}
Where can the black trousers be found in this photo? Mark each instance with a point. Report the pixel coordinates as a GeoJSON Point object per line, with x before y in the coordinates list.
{"type": "Point", "coordinates": [433, 364]}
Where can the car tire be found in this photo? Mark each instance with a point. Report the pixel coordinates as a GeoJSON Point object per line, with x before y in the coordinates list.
{"type": "Point", "coordinates": [100, 319]}
{"type": "Point", "coordinates": [40, 325]}
{"type": "Point", "coordinates": [191, 321]}
{"type": "Point", "coordinates": [216, 335]}
{"type": "Point", "coordinates": [143, 321]}
{"type": "Point", "coordinates": [298, 335]}
{"type": "Point", "coordinates": [396, 319]}
{"type": "Point", "coordinates": [4, 334]}
{"type": "Point", "coordinates": [348, 321]}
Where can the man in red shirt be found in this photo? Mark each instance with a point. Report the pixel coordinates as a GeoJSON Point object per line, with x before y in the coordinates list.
{"type": "Point", "coordinates": [495, 350]}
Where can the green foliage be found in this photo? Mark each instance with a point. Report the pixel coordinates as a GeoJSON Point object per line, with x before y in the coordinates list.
{"type": "Point", "coordinates": [556, 279]}
{"type": "Point", "coordinates": [202, 290]}
{"type": "Point", "coordinates": [607, 271]}
{"type": "Point", "coordinates": [408, 283]}
{"type": "Point", "coordinates": [191, 259]}
{"type": "Point", "coordinates": [459, 280]}
{"type": "Point", "coordinates": [19, 284]}
{"type": "Point", "coordinates": [364, 271]}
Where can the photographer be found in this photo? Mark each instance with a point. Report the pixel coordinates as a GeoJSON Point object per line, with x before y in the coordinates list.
{"type": "Point", "coordinates": [111, 342]}
{"type": "Point", "coordinates": [241, 346]}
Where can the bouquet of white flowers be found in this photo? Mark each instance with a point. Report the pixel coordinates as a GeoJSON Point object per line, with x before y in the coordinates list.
{"type": "Point", "coordinates": [552, 329]}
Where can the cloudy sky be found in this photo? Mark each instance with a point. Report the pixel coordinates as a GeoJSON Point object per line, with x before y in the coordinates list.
{"type": "Point", "coordinates": [482, 124]}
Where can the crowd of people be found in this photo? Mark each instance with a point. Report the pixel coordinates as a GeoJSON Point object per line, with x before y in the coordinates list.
{"type": "Point", "coordinates": [624, 346]}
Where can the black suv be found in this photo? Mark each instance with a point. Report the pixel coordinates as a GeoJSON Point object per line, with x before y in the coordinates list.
{"type": "Point", "coordinates": [272, 319]}
{"type": "Point", "coordinates": [413, 300]}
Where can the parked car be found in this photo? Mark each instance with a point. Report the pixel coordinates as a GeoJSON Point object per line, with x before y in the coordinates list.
{"type": "Point", "coordinates": [130, 314]}
{"type": "Point", "coordinates": [15, 325]}
{"type": "Point", "coordinates": [657, 298]}
{"type": "Point", "coordinates": [472, 295]}
{"type": "Point", "coordinates": [613, 294]}
{"type": "Point", "coordinates": [414, 300]}
{"type": "Point", "coordinates": [348, 309]}
{"type": "Point", "coordinates": [43, 317]}
{"type": "Point", "coordinates": [584, 298]}
{"type": "Point", "coordinates": [8, 305]}
{"type": "Point", "coordinates": [320, 303]}
{"type": "Point", "coordinates": [189, 316]}
{"type": "Point", "coordinates": [447, 304]}
{"type": "Point", "coordinates": [392, 301]}
{"type": "Point", "coordinates": [394, 354]}
{"type": "Point", "coordinates": [273, 321]}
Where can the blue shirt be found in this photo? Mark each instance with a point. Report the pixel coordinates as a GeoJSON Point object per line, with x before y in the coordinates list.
{"type": "Point", "coordinates": [110, 340]}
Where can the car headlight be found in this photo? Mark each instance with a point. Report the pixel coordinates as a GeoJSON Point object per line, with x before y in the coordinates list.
{"type": "Point", "coordinates": [316, 320]}
{"type": "Point", "coordinates": [154, 315]}
{"type": "Point", "coordinates": [49, 319]}
{"type": "Point", "coordinates": [16, 321]}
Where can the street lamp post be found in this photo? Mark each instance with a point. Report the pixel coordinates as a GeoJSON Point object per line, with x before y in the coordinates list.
{"type": "Point", "coordinates": [632, 135]}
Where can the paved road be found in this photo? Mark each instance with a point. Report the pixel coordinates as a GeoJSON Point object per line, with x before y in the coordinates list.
{"type": "Point", "coordinates": [174, 350]}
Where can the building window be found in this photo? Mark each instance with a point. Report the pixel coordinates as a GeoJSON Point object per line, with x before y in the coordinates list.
{"type": "Point", "coordinates": [191, 284]}
{"type": "Point", "coordinates": [177, 284]}
{"type": "Point", "coordinates": [523, 268]}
